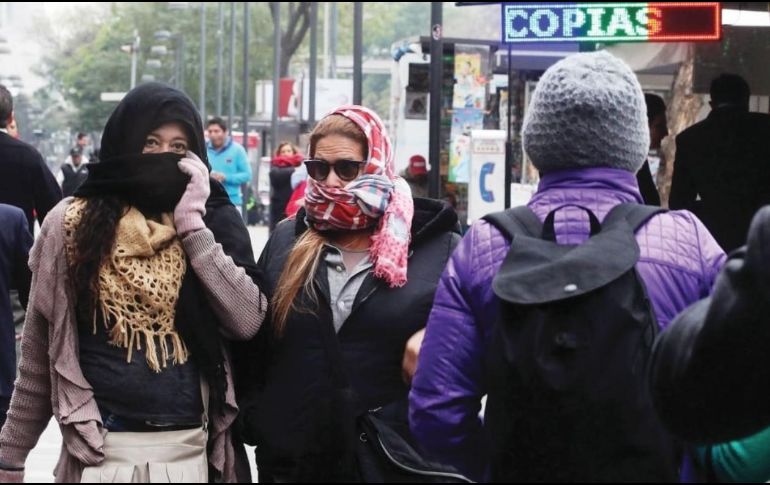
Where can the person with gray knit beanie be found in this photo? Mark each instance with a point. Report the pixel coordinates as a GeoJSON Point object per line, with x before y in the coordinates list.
{"type": "Point", "coordinates": [586, 131]}
{"type": "Point", "coordinates": [588, 110]}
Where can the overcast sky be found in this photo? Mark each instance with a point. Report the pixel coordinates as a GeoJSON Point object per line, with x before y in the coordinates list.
{"type": "Point", "coordinates": [18, 21]}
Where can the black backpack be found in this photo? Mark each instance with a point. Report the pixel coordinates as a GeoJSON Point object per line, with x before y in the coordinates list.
{"type": "Point", "coordinates": [567, 362]}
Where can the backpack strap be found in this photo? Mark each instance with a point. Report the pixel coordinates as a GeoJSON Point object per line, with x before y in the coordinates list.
{"type": "Point", "coordinates": [519, 220]}
{"type": "Point", "coordinates": [635, 215]}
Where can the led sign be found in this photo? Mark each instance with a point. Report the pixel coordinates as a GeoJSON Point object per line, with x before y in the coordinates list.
{"type": "Point", "coordinates": [611, 22]}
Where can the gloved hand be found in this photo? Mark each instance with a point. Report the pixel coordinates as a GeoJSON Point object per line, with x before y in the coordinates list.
{"type": "Point", "coordinates": [189, 211]}
{"type": "Point", "coordinates": [7, 476]}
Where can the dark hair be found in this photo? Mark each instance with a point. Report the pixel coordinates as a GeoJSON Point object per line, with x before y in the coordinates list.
{"type": "Point", "coordinates": [283, 144]}
{"type": "Point", "coordinates": [6, 106]}
{"type": "Point", "coordinates": [216, 120]}
{"type": "Point", "coordinates": [82, 135]}
{"type": "Point", "coordinates": [655, 106]}
{"type": "Point", "coordinates": [730, 89]}
{"type": "Point", "coordinates": [93, 239]}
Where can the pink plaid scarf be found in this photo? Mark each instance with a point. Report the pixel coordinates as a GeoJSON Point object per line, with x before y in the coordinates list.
{"type": "Point", "coordinates": [378, 197]}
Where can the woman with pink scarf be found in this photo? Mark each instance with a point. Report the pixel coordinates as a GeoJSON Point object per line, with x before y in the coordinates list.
{"type": "Point", "coordinates": [351, 279]}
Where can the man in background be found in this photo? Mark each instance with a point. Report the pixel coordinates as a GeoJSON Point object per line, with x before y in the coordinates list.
{"type": "Point", "coordinates": [229, 162]}
{"type": "Point", "coordinates": [73, 172]}
{"type": "Point", "coordinates": [416, 175]}
{"type": "Point", "coordinates": [25, 180]}
{"type": "Point", "coordinates": [722, 166]}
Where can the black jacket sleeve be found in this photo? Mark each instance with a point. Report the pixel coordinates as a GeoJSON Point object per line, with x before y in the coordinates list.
{"type": "Point", "coordinates": [46, 190]}
{"type": "Point", "coordinates": [683, 190]}
{"type": "Point", "coordinates": [21, 275]}
{"type": "Point", "coordinates": [711, 367]}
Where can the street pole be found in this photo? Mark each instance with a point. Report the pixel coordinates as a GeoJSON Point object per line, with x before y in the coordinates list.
{"type": "Point", "coordinates": [327, 41]}
{"type": "Point", "coordinates": [358, 51]}
{"type": "Point", "coordinates": [509, 134]}
{"type": "Point", "coordinates": [245, 107]}
{"type": "Point", "coordinates": [276, 74]}
{"type": "Point", "coordinates": [134, 50]}
{"type": "Point", "coordinates": [246, 96]}
{"type": "Point", "coordinates": [436, 77]}
{"type": "Point", "coordinates": [313, 62]}
{"type": "Point", "coordinates": [202, 82]}
{"type": "Point", "coordinates": [220, 49]}
{"type": "Point", "coordinates": [333, 42]}
{"type": "Point", "coordinates": [181, 62]}
{"type": "Point", "coordinates": [231, 98]}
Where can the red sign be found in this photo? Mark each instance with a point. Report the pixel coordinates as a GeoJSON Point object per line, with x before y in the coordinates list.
{"type": "Point", "coordinates": [253, 139]}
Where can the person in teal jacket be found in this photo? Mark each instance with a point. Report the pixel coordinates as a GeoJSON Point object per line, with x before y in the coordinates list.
{"type": "Point", "coordinates": [229, 162]}
{"type": "Point", "coordinates": [745, 460]}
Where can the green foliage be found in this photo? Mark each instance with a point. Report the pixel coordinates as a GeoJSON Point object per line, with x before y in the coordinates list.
{"type": "Point", "coordinates": [90, 61]}
{"type": "Point", "coordinates": [87, 59]}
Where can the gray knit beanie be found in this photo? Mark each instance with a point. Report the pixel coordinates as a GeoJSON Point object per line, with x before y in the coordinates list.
{"type": "Point", "coordinates": [587, 111]}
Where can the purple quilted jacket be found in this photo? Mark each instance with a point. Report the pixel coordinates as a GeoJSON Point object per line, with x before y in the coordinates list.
{"type": "Point", "coordinates": [678, 263]}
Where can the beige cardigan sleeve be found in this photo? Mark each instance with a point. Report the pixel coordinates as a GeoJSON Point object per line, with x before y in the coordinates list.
{"type": "Point", "coordinates": [234, 297]}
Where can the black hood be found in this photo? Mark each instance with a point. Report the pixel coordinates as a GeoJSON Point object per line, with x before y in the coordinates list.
{"type": "Point", "coordinates": [431, 217]}
{"type": "Point", "coordinates": [145, 108]}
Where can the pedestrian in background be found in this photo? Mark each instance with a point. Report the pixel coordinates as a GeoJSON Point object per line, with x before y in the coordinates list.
{"type": "Point", "coordinates": [73, 173]}
{"type": "Point", "coordinates": [283, 165]}
{"type": "Point", "coordinates": [721, 171]}
{"type": "Point", "coordinates": [229, 161]}
{"type": "Point", "coordinates": [15, 241]}
{"type": "Point", "coordinates": [416, 175]}
{"type": "Point", "coordinates": [25, 180]}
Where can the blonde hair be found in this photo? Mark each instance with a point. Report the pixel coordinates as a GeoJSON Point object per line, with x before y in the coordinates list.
{"type": "Point", "coordinates": [302, 263]}
{"type": "Point", "coordinates": [338, 125]}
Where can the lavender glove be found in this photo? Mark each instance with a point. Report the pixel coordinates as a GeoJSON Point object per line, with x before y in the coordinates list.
{"type": "Point", "coordinates": [189, 211]}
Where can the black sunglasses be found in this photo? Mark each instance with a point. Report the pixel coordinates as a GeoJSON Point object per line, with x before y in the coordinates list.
{"type": "Point", "coordinates": [346, 170]}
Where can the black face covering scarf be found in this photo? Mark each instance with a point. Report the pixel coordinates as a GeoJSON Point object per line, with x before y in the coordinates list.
{"type": "Point", "coordinates": [152, 183]}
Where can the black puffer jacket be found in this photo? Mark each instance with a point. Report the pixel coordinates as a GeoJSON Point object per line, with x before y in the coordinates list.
{"type": "Point", "coordinates": [288, 403]}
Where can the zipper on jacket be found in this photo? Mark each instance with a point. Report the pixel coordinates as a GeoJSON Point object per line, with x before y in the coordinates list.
{"type": "Point", "coordinates": [456, 476]}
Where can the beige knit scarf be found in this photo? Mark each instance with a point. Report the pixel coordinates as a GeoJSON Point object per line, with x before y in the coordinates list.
{"type": "Point", "coordinates": [139, 285]}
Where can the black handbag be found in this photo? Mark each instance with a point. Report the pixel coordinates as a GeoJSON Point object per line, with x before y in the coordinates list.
{"type": "Point", "coordinates": [385, 450]}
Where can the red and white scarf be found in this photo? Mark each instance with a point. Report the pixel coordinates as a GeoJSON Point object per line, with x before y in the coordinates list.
{"type": "Point", "coordinates": [377, 197]}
